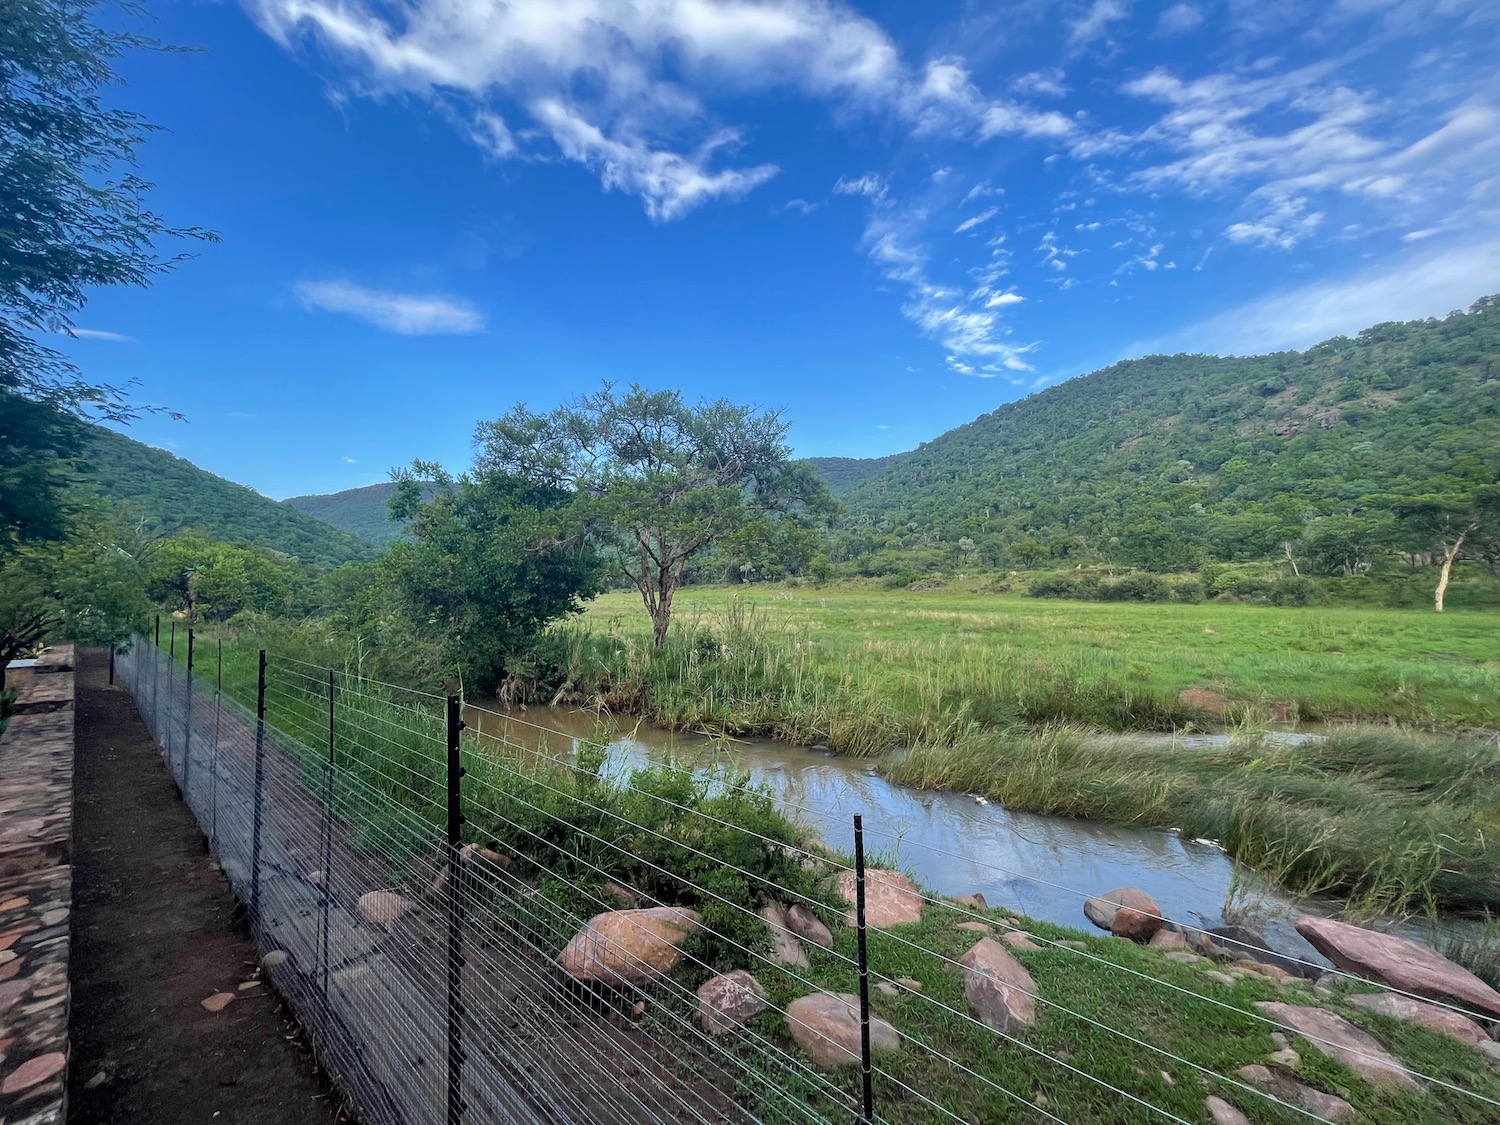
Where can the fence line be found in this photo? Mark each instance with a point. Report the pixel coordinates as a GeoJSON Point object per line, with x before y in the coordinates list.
{"type": "Point", "coordinates": [356, 820]}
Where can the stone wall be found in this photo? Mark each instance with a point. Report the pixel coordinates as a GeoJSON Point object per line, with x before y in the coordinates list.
{"type": "Point", "coordinates": [36, 893]}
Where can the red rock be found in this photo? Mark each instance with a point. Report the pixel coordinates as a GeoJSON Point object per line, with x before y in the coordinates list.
{"type": "Point", "coordinates": [998, 987]}
{"type": "Point", "coordinates": [1222, 1113]}
{"type": "Point", "coordinates": [786, 949]}
{"type": "Point", "coordinates": [891, 899]}
{"type": "Point", "coordinates": [1338, 1038]}
{"type": "Point", "coordinates": [384, 908]}
{"type": "Point", "coordinates": [9, 972]}
{"type": "Point", "coordinates": [1445, 1021]}
{"type": "Point", "coordinates": [975, 900]}
{"type": "Point", "coordinates": [628, 946]}
{"type": "Point", "coordinates": [1134, 924]}
{"type": "Point", "coordinates": [1019, 939]}
{"type": "Point", "coordinates": [729, 1000]}
{"type": "Point", "coordinates": [218, 1001]}
{"type": "Point", "coordinates": [33, 1071]}
{"type": "Point", "coordinates": [808, 926]}
{"type": "Point", "coordinates": [1168, 939]}
{"type": "Point", "coordinates": [975, 927]}
{"type": "Point", "coordinates": [826, 1026]}
{"type": "Point", "coordinates": [1399, 962]}
{"type": "Point", "coordinates": [1101, 909]}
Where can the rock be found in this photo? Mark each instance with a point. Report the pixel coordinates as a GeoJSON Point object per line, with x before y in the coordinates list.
{"type": "Point", "coordinates": [887, 988]}
{"type": "Point", "coordinates": [1323, 1106]}
{"type": "Point", "coordinates": [1337, 1037]}
{"type": "Point", "coordinates": [628, 946]}
{"type": "Point", "coordinates": [785, 949]}
{"type": "Point", "coordinates": [1081, 946]}
{"type": "Point", "coordinates": [384, 908]}
{"type": "Point", "coordinates": [1241, 943]}
{"type": "Point", "coordinates": [1286, 1058]}
{"type": "Point", "coordinates": [246, 986]}
{"type": "Point", "coordinates": [274, 958]}
{"type": "Point", "coordinates": [1101, 909]}
{"type": "Point", "coordinates": [1442, 1020]}
{"type": "Point", "coordinates": [624, 899]}
{"type": "Point", "coordinates": [1133, 924]}
{"type": "Point", "coordinates": [1399, 962]}
{"type": "Point", "coordinates": [1168, 939]}
{"type": "Point", "coordinates": [1491, 1051]}
{"type": "Point", "coordinates": [1272, 972]}
{"type": "Point", "coordinates": [807, 925]}
{"type": "Point", "coordinates": [1183, 957]}
{"type": "Point", "coordinates": [1019, 939]}
{"type": "Point", "coordinates": [472, 852]}
{"type": "Point", "coordinates": [910, 983]}
{"type": "Point", "coordinates": [974, 927]}
{"type": "Point", "coordinates": [99, 1079]}
{"type": "Point", "coordinates": [315, 877]}
{"type": "Point", "coordinates": [729, 1000]}
{"type": "Point", "coordinates": [1222, 1113]}
{"type": "Point", "coordinates": [33, 1071]}
{"type": "Point", "coordinates": [976, 900]}
{"type": "Point", "coordinates": [891, 899]}
{"type": "Point", "coordinates": [218, 1001]}
{"type": "Point", "coordinates": [1223, 978]}
{"type": "Point", "coordinates": [826, 1026]}
{"type": "Point", "coordinates": [998, 987]}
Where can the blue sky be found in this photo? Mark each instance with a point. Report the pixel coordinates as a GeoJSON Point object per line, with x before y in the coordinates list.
{"type": "Point", "coordinates": [885, 218]}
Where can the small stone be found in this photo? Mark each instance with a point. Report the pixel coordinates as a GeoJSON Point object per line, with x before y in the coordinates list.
{"type": "Point", "coordinates": [315, 877]}
{"type": "Point", "coordinates": [1078, 945]}
{"type": "Point", "coordinates": [910, 983]}
{"type": "Point", "coordinates": [826, 1026]}
{"type": "Point", "coordinates": [1286, 1058]}
{"type": "Point", "coordinates": [55, 917]}
{"type": "Point", "coordinates": [808, 926]}
{"type": "Point", "coordinates": [786, 950]}
{"type": "Point", "coordinates": [384, 908]}
{"type": "Point", "coordinates": [1223, 978]}
{"type": "Point", "coordinates": [1223, 1113]}
{"type": "Point", "coordinates": [1183, 957]}
{"type": "Point", "coordinates": [638, 1009]}
{"type": "Point", "coordinates": [1491, 1051]}
{"type": "Point", "coordinates": [1280, 1039]}
{"type": "Point", "coordinates": [218, 1001]}
{"type": "Point", "coordinates": [96, 1081]}
{"type": "Point", "coordinates": [976, 900]}
{"type": "Point", "coordinates": [1019, 939]}
{"type": "Point", "coordinates": [1324, 1107]}
{"type": "Point", "coordinates": [975, 927]}
{"type": "Point", "coordinates": [887, 988]}
{"type": "Point", "coordinates": [620, 896]}
{"type": "Point", "coordinates": [7, 956]}
{"type": "Point", "coordinates": [1271, 972]}
{"type": "Point", "coordinates": [246, 986]}
{"type": "Point", "coordinates": [1167, 1078]}
{"type": "Point", "coordinates": [730, 1000]}
{"type": "Point", "coordinates": [274, 958]}
{"type": "Point", "coordinates": [33, 1072]}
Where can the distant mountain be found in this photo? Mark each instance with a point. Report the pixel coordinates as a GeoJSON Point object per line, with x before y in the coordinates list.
{"type": "Point", "coordinates": [177, 494]}
{"type": "Point", "coordinates": [841, 474]}
{"type": "Point", "coordinates": [1150, 459]}
{"type": "Point", "coordinates": [359, 511]}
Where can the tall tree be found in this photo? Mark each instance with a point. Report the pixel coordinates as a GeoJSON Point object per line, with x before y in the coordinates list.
{"type": "Point", "coordinates": [72, 216]}
{"type": "Point", "coordinates": [1449, 527]}
{"type": "Point", "coordinates": [657, 480]}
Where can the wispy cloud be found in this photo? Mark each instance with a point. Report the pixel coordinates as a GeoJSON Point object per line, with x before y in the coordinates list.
{"type": "Point", "coordinates": [1095, 22]}
{"type": "Point", "coordinates": [970, 223]}
{"type": "Point", "coordinates": [408, 314]}
{"type": "Point", "coordinates": [350, 461]}
{"type": "Point", "coordinates": [100, 334]}
{"type": "Point", "coordinates": [1179, 19]}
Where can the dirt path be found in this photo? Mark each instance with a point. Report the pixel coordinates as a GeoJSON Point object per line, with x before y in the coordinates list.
{"type": "Point", "coordinates": [154, 934]}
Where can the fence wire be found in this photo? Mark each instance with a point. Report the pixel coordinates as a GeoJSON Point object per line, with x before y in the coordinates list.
{"type": "Point", "coordinates": [425, 970]}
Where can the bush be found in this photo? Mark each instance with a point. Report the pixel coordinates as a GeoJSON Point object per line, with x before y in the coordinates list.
{"type": "Point", "coordinates": [1137, 588]}
{"type": "Point", "coordinates": [1053, 586]}
{"type": "Point", "coordinates": [1295, 591]}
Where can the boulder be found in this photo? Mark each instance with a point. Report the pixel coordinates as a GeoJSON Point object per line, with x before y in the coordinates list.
{"type": "Point", "coordinates": [1168, 939]}
{"type": "Point", "coordinates": [1337, 1037]}
{"type": "Point", "coordinates": [1399, 962]}
{"type": "Point", "coordinates": [973, 927]}
{"type": "Point", "coordinates": [785, 949]}
{"type": "Point", "coordinates": [1444, 1021]}
{"type": "Point", "coordinates": [1221, 1112]}
{"type": "Point", "coordinates": [1260, 968]}
{"type": "Point", "coordinates": [826, 1026]}
{"type": "Point", "coordinates": [1241, 943]}
{"type": "Point", "coordinates": [624, 947]}
{"type": "Point", "coordinates": [808, 926]}
{"type": "Point", "coordinates": [1019, 939]}
{"type": "Point", "coordinates": [1101, 909]}
{"type": "Point", "coordinates": [384, 908]}
{"type": "Point", "coordinates": [729, 1000]}
{"type": "Point", "coordinates": [1324, 1107]}
{"type": "Point", "coordinates": [891, 899]}
{"type": "Point", "coordinates": [998, 987]}
{"type": "Point", "coordinates": [975, 900]}
{"type": "Point", "coordinates": [1133, 924]}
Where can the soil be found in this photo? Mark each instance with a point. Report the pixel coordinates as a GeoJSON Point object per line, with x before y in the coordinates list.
{"type": "Point", "coordinates": [157, 930]}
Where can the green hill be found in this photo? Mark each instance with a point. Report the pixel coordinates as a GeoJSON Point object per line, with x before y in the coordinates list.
{"type": "Point", "coordinates": [359, 511]}
{"type": "Point", "coordinates": [1154, 460]}
{"type": "Point", "coordinates": [841, 474]}
{"type": "Point", "coordinates": [177, 494]}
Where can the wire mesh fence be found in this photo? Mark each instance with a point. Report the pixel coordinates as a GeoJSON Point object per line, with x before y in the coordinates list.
{"type": "Point", "coordinates": [475, 927]}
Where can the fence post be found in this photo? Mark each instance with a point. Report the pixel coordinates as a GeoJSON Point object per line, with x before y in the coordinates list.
{"type": "Point", "coordinates": [156, 680]}
{"type": "Point", "coordinates": [187, 729]}
{"type": "Point", "coordinates": [327, 837]}
{"type": "Point", "coordinates": [260, 774]}
{"type": "Point", "coordinates": [867, 1111]}
{"type": "Point", "coordinates": [456, 1008]}
{"type": "Point", "coordinates": [171, 687]}
{"type": "Point", "coordinates": [213, 762]}
{"type": "Point", "coordinates": [111, 665]}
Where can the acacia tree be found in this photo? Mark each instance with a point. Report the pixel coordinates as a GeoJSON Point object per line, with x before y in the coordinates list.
{"type": "Point", "coordinates": [1450, 527]}
{"type": "Point", "coordinates": [656, 480]}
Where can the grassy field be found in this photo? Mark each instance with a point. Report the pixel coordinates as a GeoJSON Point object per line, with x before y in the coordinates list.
{"type": "Point", "coordinates": [1015, 699]}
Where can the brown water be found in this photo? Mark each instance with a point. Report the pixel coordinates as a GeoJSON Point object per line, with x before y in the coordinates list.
{"type": "Point", "coordinates": [1042, 866]}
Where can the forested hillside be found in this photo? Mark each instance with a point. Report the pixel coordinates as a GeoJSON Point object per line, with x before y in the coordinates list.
{"type": "Point", "coordinates": [1166, 461]}
{"type": "Point", "coordinates": [359, 511]}
{"type": "Point", "coordinates": [841, 474]}
{"type": "Point", "coordinates": [175, 494]}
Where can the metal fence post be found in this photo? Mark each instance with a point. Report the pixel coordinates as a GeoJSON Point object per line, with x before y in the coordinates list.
{"type": "Point", "coordinates": [213, 767]}
{"type": "Point", "coordinates": [187, 727]}
{"type": "Point", "coordinates": [260, 775]}
{"type": "Point", "coordinates": [867, 1112]}
{"type": "Point", "coordinates": [456, 1008]}
{"type": "Point", "coordinates": [156, 680]}
{"type": "Point", "coordinates": [111, 665]}
{"type": "Point", "coordinates": [327, 837]}
{"type": "Point", "coordinates": [171, 688]}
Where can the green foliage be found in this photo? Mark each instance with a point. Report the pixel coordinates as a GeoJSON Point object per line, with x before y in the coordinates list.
{"type": "Point", "coordinates": [363, 512]}
{"type": "Point", "coordinates": [841, 474]}
{"type": "Point", "coordinates": [213, 581]}
{"type": "Point", "coordinates": [171, 493]}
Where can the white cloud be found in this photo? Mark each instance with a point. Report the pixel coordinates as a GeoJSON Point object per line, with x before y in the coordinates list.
{"type": "Point", "coordinates": [970, 223]}
{"type": "Point", "coordinates": [624, 88]}
{"type": "Point", "coordinates": [1428, 283]}
{"type": "Point", "coordinates": [350, 461]}
{"type": "Point", "coordinates": [1095, 22]}
{"type": "Point", "coordinates": [100, 334]}
{"type": "Point", "coordinates": [869, 185]}
{"type": "Point", "coordinates": [802, 206]}
{"type": "Point", "coordinates": [1048, 83]}
{"type": "Point", "coordinates": [407, 314]}
{"type": "Point", "coordinates": [1179, 19]}
{"type": "Point", "coordinates": [1283, 224]}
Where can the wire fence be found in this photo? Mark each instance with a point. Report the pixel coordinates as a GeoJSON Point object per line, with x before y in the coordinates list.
{"type": "Point", "coordinates": [475, 927]}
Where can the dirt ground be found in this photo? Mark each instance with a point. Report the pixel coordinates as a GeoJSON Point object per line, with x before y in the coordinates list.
{"type": "Point", "coordinates": [155, 932]}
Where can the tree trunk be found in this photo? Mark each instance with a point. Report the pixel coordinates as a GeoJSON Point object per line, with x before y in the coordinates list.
{"type": "Point", "coordinates": [1449, 554]}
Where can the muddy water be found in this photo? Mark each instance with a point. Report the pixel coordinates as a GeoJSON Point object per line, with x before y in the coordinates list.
{"type": "Point", "coordinates": [955, 844]}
